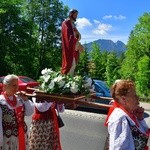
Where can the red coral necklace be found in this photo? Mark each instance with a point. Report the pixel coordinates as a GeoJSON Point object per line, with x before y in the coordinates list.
{"type": "Point", "coordinates": [13, 102]}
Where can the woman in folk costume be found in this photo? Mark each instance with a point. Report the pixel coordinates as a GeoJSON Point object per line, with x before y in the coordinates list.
{"type": "Point", "coordinates": [70, 44]}
{"type": "Point", "coordinates": [13, 108]}
{"type": "Point", "coordinates": [44, 130]}
{"type": "Point", "coordinates": [126, 125]}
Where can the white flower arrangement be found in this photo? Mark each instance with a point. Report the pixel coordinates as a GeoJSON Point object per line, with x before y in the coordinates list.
{"type": "Point", "coordinates": [56, 83]}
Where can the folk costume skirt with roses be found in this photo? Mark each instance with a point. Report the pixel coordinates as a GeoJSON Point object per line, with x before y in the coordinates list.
{"type": "Point", "coordinates": [44, 131]}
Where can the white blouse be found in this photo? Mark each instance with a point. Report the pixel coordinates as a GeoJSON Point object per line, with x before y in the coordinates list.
{"type": "Point", "coordinates": [120, 135]}
{"type": "Point", "coordinates": [44, 106]}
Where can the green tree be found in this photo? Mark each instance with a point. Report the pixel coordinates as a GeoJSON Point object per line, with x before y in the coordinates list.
{"type": "Point", "coordinates": [47, 16]}
{"type": "Point", "coordinates": [30, 35]}
{"type": "Point", "coordinates": [104, 56]}
{"type": "Point", "coordinates": [138, 45]}
{"type": "Point", "coordinates": [83, 65]}
{"type": "Point", "coordinates": [16, 42]}
{"type": "Point", "coordinates": [13, 34]}
{"type": "Point", "coordinates": [97, 63]}
{"type": "Point", "coordinates": [142, 76]}
{"type": "Point", "coordinates": [137, 48]}
{"type": "Point", "coordinates": [112, 68]}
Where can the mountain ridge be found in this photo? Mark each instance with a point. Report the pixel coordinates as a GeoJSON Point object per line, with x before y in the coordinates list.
{"type": "Point", "coordinates": [108, 45]}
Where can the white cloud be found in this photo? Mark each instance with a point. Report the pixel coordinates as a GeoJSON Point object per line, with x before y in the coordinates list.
{"type": "Point", "coordinates": [94, 30]}
{"type": "Point", "coordinates": [107, 17]}
{"type": "Point", "coordinates": [102, 29]}
{"type": "Point", "coordinates": [96, 21]}
{"type": "Point", "coordinates": [83, 22]}
{"type": "Point", "coordinates": [119, 17]}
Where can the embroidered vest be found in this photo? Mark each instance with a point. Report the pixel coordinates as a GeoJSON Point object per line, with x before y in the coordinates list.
{"type": "Point", "coordinates": [140, 139]}
{"type": "Point", "coordinates": [10, 121]}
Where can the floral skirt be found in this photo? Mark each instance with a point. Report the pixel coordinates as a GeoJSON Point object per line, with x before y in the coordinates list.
{"type": "Point", "coordinates": [44, 135]}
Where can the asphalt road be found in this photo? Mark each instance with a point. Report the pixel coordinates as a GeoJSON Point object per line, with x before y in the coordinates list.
{"type": "Point", "coordinates": [83, 131]}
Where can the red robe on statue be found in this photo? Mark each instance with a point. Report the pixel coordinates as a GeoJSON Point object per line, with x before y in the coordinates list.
{"type": "Point", "coordinates": [68, 46]}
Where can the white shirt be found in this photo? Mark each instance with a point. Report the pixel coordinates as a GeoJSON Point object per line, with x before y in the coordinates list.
{"type": "Point", "coordinates": [44, 106]}
{"type": "Point", "coordinates": [120, 135]}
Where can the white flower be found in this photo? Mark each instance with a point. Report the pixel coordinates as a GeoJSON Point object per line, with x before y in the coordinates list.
{"type": "Point", "coordinates": [55, 82]}
{"type": "Point", "coordinates": [43, 85]}
{"type": "Point", "coordinates": [59, 78]}
{"type": "Point", "coordinates": [74, 88]}
{"type": "Point", "coordinates": [67, 85]}
{"type": "Point", "coordinates": [46, 71]}
{"type": "Point", "coordinates": [88, 83]}
{"type": "Point", "coordinates": [51, 85]}
{"type": "Point", "coordinates": [61, 84]}
{"type": "Point", "coordinates": [46, 78]}
{"type": "Point", "coordinates": [60, 81]}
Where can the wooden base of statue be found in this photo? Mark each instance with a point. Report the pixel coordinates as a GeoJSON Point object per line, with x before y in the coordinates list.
{"type": "Point", "coordinates": [81, 99]}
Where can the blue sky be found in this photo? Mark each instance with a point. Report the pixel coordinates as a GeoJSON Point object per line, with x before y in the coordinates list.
{"type": "Point", "coordinates": [107, 19]}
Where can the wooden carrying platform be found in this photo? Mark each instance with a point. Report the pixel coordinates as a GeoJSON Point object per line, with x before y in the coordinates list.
{"type": "Point", "coordinates": [86, 100]}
